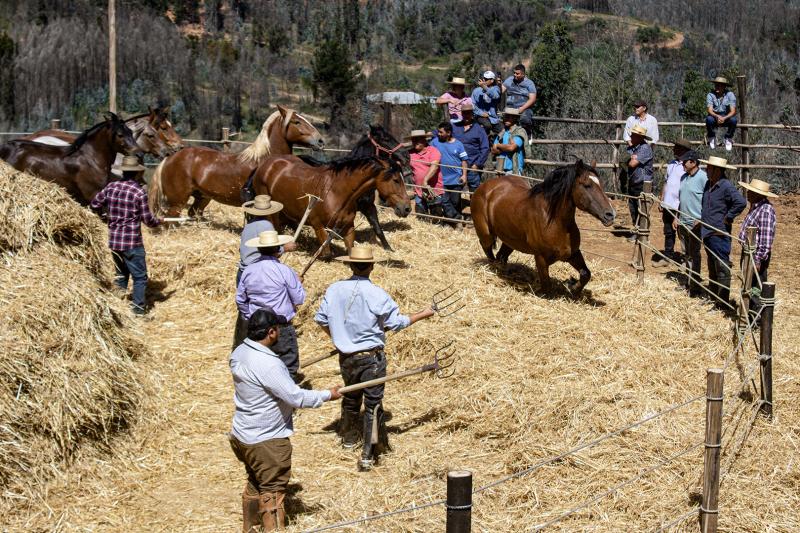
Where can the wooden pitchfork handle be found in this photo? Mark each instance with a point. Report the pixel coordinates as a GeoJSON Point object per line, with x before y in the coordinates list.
{"type": "Point", "coordinates": [319, 358]}
{"type": "Point", "coordinates": [312, 201]}
{"type": "Point", "coordinates": [431, 367]}
{"type": "Point", "coordinates": [316, 255]}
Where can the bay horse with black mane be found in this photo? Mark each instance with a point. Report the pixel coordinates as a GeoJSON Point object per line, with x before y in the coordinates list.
{"type": "Point", "coordinates": [339, 185]}
{"type": "Point", "coordinates": [207, 174]}
{"type": "Point", "coordinates": [540, 220]}
{"type": "Point", "coordinates": [82, 167]}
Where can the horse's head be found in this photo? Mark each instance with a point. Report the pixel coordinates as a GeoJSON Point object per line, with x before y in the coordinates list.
{"type": "Point", "coordinates": [588, 193]}
{"type": "Point", "coordinates": [298, 130]}
{"type": "Point", "coordinates": [391, 188]}
{"type": "Point", "coordinates": [159, 118]}
{"type": "Point", "coordinates": [121, 136]}
{"type": "Point", "coordinates": [150, 140]}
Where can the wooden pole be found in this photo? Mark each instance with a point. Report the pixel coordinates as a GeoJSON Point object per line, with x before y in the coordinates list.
{"type": "Point", "coordinates": [768, 301]}
{"type": "Point", "coordinates": [642, 230]}
{"type": "Point", "coordinates": [55, 124]}
{"type": "Point", "coordinates": [226, 143]}
{"type": "Point", "coordinates": [459, 501]}
{"type": "Point", "coordinates": [112, 56]}
{"type": "Point", "coordinates": [747, 275]}
{"type": "Point", "coordinates": [387, 116]}
{"type": "Point", "coordinates": [741, 101]}
{"type": "Point", "coordinates": [709, 511]}
{"type": "Point", "coordinates": [615, 151]}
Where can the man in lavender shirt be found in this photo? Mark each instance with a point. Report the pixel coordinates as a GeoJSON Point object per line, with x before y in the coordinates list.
{"type": "Point", "coordinates": [268, 283]}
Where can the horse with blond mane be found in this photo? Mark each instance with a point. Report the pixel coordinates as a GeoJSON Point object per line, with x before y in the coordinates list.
{"type": "Point", "coordinates": [207, 174]}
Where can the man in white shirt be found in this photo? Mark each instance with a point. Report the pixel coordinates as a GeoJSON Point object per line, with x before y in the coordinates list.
{"type": "Point", "coordinates": [670, 200]}
{"type": "Point", "coordinates": [642, 118]}
{"type": "Point", "coordinates": [265, 396]}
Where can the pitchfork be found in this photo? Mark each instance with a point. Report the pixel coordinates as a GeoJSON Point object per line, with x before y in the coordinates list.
{"type": "Point", "coordinates": [443, 300]}
{"type": "Point", "coordinates": [441, 366]}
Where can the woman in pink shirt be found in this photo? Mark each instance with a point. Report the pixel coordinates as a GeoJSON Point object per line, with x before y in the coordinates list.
{"type": "Point", "coordinates": [455, 98]}
{"type": "Point", "coordinates": [425, 166]}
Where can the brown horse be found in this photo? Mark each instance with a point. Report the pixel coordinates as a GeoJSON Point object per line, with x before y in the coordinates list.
{"type": "Point", "coordinates": [82, 167]}
{"type": "Point", "coordinates": [339, 184]}
{"type": "Point", "coordinates": [152, 131]}
{"type": "Point", "coordinates": [207, 174]}
{"type": "Point", "coordinates": [541, 220]}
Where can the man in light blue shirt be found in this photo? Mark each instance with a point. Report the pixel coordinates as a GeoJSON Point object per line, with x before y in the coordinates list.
{"type": "Point", "coordinates": [356, 314]}
{"type": "Point", "coordinates": [486, 98]}
{"type": "Point", "coordinates": [521, 94]}
{"type": "Point", "coordinates": [721, 107]}
{"type": "Point", "coordinates": [690, 208]}
{"type": "Point", "coordinates": [265, 398]}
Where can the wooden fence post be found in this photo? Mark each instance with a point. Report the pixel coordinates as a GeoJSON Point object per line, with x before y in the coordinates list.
{"type": "Point", "coordinates": [226, 143]}
{"type": "Point", "coordinates": [387, 116]}
{"type": "Point", "coordinates": [615, 151]}
{"type": "Point", "coordinates": [747, 277]}
{"type": "Point", "coordinates": [709, 510]}
{"type": "Point", "coordinates": [741, 110]}
{"type": "Point", "coordinates": [642, 230]}
{"type": "Point", "coordinates": [768, 301]}
{"type": "Point", "coordinates": [459, 501]}
{"type": "Point", "coordinates": [55, 124]}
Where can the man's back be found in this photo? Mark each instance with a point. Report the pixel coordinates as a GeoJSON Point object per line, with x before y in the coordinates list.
{"type": "Point", "coordinates": [125, 203]}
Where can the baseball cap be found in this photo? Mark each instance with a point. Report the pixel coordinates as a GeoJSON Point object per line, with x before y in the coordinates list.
{"type": "Point", "coordinates": [691, 155]}
{"type": "Point", "coordinates": [488, 75]}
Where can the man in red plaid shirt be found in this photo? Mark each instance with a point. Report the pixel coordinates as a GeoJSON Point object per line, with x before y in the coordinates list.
{"type": "Point", "coordinates": [762, 217]}
{"type": "Point", "coordinates": [125, 205]}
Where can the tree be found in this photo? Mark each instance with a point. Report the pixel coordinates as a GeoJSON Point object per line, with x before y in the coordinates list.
{"type": "Point", "coordinates": [336, 75]}
{"type": "Point", "coordinates": [552, 65]}
{"type": "Point", "coordinates": [693, 96]}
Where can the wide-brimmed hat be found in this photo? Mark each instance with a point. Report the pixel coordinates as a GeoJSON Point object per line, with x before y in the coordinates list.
{"type": "Point", "coordinates": [359, 254]}
{"type": "Point", "coordinates": [262, 205]}
{"type": "Point", "coordinates": [513, 111]}
{"type": "Point", "coordinates": [268, 239]}
{"type": "Point", "coordinates": [458, 81]}
{"type": "Point", "coordinates": [416, 134]}
{"type": "Point", "coordinates": [683, 143]}
{"type": "Point", "coordinates": [715, 161]}
{"type": "Point", "coordinates": [758, 187]}
{"type": "Point", "coordinates": [129, 162]}
{"type": "Point", "coordinates": [640, 130]}
{"type": "Point", "coordinates": [720, 79]}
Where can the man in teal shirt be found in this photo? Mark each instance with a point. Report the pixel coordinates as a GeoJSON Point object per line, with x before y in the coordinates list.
{"type": "Point", "coordinates": [510, 144]}
{"type": "Point", "coordinates": [690, 207]}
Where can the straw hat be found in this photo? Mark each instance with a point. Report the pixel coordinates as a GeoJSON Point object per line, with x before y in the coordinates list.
{"type": "Point", "coordinates": [416, 134]}
{"type": "Point", "coordinates": [513, 111]}
{"type": "Point", "coordinates": [268, 239]}
{"type": "Point", "coordinates": [758, 187]}
{"type": "Point", "coordinates": [359, 254]}
{"type": "Point", "coordinates": [458, 81]}
{"type": "Point", "coordinates": [129, 162]}
{"type": "Point", "coordinates": [262, 205]}
{"type": "Point", "coordinates": [720, 79]}
{"type": "Point", "coordinates": [715, 161]}
{"type": "Point", "coordinates": [640, 130]}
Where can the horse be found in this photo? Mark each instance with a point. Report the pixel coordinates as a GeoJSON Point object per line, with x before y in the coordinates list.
{"type": "Point", "coordinates": [208, 174]}
{"type": "Point", "coordinates": [82, 167]}
{"type": "Point", "coordinates": [540, 220]}
{"type": "Point", "coordinates": [152, 131]}
{"type": "Point", "coordinates": [339, 185]}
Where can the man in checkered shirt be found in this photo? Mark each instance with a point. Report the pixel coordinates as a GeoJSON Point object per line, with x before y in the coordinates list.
{"type": "Point", "coordinates": [124, 203]}
{"type": "Point", "coordinates": [762, 217]}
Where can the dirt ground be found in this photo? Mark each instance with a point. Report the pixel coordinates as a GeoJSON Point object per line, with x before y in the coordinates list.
{"type": "Point", "coordinates": [175, 470]}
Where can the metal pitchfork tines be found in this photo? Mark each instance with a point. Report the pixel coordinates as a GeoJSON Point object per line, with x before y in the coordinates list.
{"type": "Point", "coordinates": [446, 299]}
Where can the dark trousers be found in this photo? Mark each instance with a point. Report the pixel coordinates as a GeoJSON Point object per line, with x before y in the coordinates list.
{"type": "Point", "coordinates": [692, 245]}
{"type": "Point", "coordinates": [711, 127]}
{"type": "Point", "coordinates": [268, 464]}
{"type": "Point", "coordinates": [492, 130]}
{"type": "Point", "coordinates": [473, 179]}
{"type": "Point", "coordinates": [451, 201]}
{"type": "Point", "coordinates": [285, 348]}
{"type": "Point", "coordinates": [667, 217]}
{"type": "Point", "coordinates": [634, 189]}
{"type": "Point", "coordinates": [763, 273]}
{"type": "Point", "coordinates": [131, 264]}
{"type": "Point", "coordinates": [718, 250]}
{"type": "Point", "coordinates": [358, 369]}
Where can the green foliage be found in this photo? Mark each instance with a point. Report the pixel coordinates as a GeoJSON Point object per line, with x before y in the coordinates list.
{"type": "Point", "coordinates": [653, 34]}
{"type": "Point", "coordinates": [693, 96]}
{"type": "Point", "coordinates": [425, 116]}
{"type": "Point", "coordinates": [552, 68]}
{"type": "Point", "coordinates": [335, 75]}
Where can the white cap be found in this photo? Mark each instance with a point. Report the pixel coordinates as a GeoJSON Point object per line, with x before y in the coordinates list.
{"type": "Point", "coordinates": [488, 75]}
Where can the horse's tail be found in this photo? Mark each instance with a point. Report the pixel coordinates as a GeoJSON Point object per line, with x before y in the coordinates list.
{"type": "Point", "coordinates": [248, 191]}
{"type": "Point", "coordinates": [155, 192]}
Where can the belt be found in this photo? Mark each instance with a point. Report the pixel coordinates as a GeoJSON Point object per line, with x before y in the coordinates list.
{"type": "Point", "coordinates": [365, 353]}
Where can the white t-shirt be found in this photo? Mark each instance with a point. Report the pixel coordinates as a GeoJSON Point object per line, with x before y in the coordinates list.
{"type": "Point", "coordinates": [649, 123]}
{"type": "Point", "coordinates": [672, 184]}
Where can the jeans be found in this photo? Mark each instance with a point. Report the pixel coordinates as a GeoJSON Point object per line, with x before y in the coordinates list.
{"type": "Point", "coordinates": [473, 179]}
{"type": "Point", "coordinates": [428, 206]}
{"type": "Point", "coordinates": [667, 216]}
{"type": "Point", "coordinates": [711, 127]}
{"type": "Point", "coordinates": [492, 130]}
{"type": "Point", "coordinates": [131, 264]}
{"type": "Point", "coordinates": [634, 189]}
{"type": "Point", "coordinates": [718, 250]}
{"type": "Point", "coordinates": [451, 201]}
{"type": "Point", "coordinates": [526, 120]}
{"type": "Point", "coordinates": [358, 369]}
{"type": "Point", "coordinates": [690, 240]}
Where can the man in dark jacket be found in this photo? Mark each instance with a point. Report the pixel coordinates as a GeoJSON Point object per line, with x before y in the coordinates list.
{"type": "Point", "coordinates": [475, 141]}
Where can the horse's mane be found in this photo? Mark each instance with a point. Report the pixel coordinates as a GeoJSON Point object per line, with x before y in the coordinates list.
{"type": "Point", "coordinates": [557, 185]}
{"type": "Point", "coordinates": [260, 148]}
{"type": "Point", "coordinates": [83, 137]}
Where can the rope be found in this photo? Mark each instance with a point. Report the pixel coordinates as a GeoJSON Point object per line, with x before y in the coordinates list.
{"type": "Point", "coordinates": [615, 488]}
{"type": "Point", "coordinates": [626, 263]}
{"type": "Point", "coordinates": [339, 525]}
{"type": "Point", "coordinates": [598, 440]}
{"type": "Point", "coordinates": [678, 520]}
{"type": "Point", "coordinates": [756, 406]}
{"type": "Point", "coordinates": [423, 215]}
{"type": "Point", "coordinates": [734, 237]}
{"type": "Point", "coordinates": [742, 337]}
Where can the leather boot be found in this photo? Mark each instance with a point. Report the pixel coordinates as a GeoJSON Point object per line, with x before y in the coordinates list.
{"type": "Point", "coordinates": [251, 517]}
{"type": "Point", "coordinates": [273, 515]}
{"type": "Point", "coordinates": [371, 440]}
{"type": "Point", "coordinates": [382, 445]}
{"type": "Point", "coordinates": [348, 429]}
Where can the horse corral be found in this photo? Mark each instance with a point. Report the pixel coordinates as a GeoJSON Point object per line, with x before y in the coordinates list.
{"type": "Point", "coordinates": [535, 377]}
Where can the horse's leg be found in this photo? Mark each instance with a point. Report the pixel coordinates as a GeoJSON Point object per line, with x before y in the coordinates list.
{"type": "Point", "coordinates": [503, 253]}
{"type": "Point", "coordinates": [579, 264]}
{"type": "Point", "coordinates": [366, 205]}
{"type": "Point", "coordinates": [350, 238]}
{"type": "Point", "coordinates": [543, 270]}
{"type": "Point", "coordinates": [199, 204]}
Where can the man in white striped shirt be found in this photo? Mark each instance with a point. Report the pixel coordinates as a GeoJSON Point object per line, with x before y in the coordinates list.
{"type": "Point", "coordinates": [265, 396]}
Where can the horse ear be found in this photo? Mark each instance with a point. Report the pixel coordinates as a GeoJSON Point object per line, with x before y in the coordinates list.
{"type": "Point", "coordinates": [282, 110]}
{"type": "Point", "coordinates": [152, 112]}
{"type": "Point", "coordinates": [594, 163]}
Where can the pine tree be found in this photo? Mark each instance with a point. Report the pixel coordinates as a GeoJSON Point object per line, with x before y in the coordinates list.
{"type": "Point", "coordinates": [335, 75]}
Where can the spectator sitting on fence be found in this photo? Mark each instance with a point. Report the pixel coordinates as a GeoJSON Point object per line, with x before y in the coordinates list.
{"type": "Point", "coordinates": [640, 170]}
{"type": "Point", "coordinates": [670, 200]}
{"type": "Point", "coordinates": [721, 204]}
{"type": "Point", "coordinates": [454, 170]}
{"type": "Point", "coordinates": [476, 143]}
{"type": "Point", "coordinates": [486, 98]}
{"type": "Point", "coordinates": [762, 217]}
{"type": "Point", "coordinates": [455, 98]}
{"type": "Point", "coordinates": [509, 147]}
{"type": "Point", "coordinates": [690, 207]}
{"type": "Point", "coordinates": [425, 161]}
{"type": "Point", "coordinates": [521, 95]}
{"type": "Point", "coordinates": [721, 105]}
{"type": "Point", "coordinates": [642, 118]}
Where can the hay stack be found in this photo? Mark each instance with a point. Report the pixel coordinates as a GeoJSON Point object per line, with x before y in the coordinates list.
{"type": "Point", "coordinates": [67, 354]}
